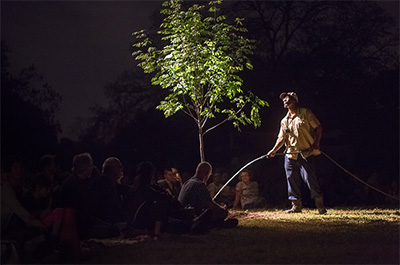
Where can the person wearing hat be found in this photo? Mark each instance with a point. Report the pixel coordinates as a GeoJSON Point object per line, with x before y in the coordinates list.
{"type": "Point", "coordinates": [301, 133]}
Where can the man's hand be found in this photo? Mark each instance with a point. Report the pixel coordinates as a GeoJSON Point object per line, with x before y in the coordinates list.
{"type": "Point", "coordinates": [271, 153]}
{"type": "Point", "coordinates": [315, 149]}
{"type": "Point", "coordinates": [316, 152]}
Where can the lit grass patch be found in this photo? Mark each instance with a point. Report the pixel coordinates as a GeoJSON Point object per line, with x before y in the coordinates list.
{"type": "Point", "coordinates": [334, 215]}
{"type": "Point", "coordinates": [343, 236]}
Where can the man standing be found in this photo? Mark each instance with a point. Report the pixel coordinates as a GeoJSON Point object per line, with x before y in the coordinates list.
{"type": "Point", "coordinates": [301, 132]}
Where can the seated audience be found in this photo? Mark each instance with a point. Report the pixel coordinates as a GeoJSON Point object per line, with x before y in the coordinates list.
{"type": "Point", "coordinates": [37, 201]}
{"type": "Point", "coordinates": [247, 192]}
{"type": "Point", "coordinates": [20, 228]}
{"type": "Point", "coordinates": [227, 195]}
{"type": "Point", "coordinates": [109, 193]}
{"type": "Point", "coordinates": [77, 192]}
{"type": "Point", "coordinates": [148, 205]}
{"type": "Point", "coordinates": [60, 221]}
{"type": "Point", "coordinates": [11, 189]}
{"type": "Point", "coordinates": [172, 183]}
{"type": "Point", "coordinates": [47, 166]}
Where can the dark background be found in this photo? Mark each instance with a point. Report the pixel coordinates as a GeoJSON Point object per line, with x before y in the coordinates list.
{"type": "Point", "coordinates": [70, 85]}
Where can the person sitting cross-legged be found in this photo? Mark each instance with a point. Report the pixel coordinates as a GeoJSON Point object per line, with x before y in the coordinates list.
{"type": "Point", "coordinates": [147, 204]}
{"type": "Point", "coordinates": [194, 193]}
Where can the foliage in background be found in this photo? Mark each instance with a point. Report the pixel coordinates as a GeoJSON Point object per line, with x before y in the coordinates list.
{"type": "Point", "coordinates": [127, 97]}
{"type": "Point", "coordinates": [305, 46]}
{"type": "Point", "coordinates": [199, 65]}
{"type": "Point", "coordinates": [339, 56]}
{"type": "Point", "coordinates": [324, 49]}
{"type": "Point", "coordinates": [28, 109]}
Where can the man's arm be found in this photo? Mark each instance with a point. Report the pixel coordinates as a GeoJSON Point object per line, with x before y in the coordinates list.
{"type": "Point", "coordinates": [211, 204]}
{"type": "Point", "coordinates": [8, 195]}
{"type": "Point", "coordinates": [279, 143]}
{"type": "Point", "coordinates": [316, 145]}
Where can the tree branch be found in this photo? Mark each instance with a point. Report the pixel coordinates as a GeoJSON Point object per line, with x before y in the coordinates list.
{"type": "Point", "coordinates": [223, 121]}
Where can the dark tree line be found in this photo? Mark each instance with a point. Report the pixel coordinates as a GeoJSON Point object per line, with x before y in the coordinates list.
{"type": "Point", "coordinates": [340, 56]}
{"type": "Point", "coordinates": [28, 107]}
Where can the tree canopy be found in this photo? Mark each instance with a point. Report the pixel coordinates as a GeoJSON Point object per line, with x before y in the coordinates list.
{"type": "Point", "coordinates": [199, 65]}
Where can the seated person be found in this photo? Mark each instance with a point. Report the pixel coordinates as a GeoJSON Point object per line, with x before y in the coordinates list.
{"type": "Point", "coordinates": [48, 167]}
{"type": "Point", "coordinates": [147, 205]}
{"type": "Point", "coordinates": [194, 193]}
{"type": "Point", "coordinates": [19, 227]}
{"type": "Point", "coordinates": [78, 192]}
{"type": "Point", "coordinates": [172, 183]}
{"type": "Point", "coordinates": [247, 192]}
{"type": "Point", "coordinates": [12, 178]}
{"type": "Point", "coordinates": [227, 195]}
{"type": "Point", "coordinates": [60, 221]}
{"type": "Point", "coordinates": [112, 194]}
{"type": "Point", "coordinates": [37, 201]}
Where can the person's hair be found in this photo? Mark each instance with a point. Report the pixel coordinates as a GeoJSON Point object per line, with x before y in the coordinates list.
{"type": "Point", "coordinates": [45, 161]}
{"type": "Point", "coordinates": [107, 164]}
{"type": "Point", "coordinates": [81, 161]}
{"type": "Point", "coordinates": [167, 169]}
{"type": "Point", "coordinates": [248, 171]}
{"type": "Point", "coordinates": [203, 169]}
{"type": "Point", "coordinates": [145, 172]}
{"type": "Point", "coordinates": [216, 174]}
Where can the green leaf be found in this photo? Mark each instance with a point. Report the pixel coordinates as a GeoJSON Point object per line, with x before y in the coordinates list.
{"type": "Point", "coordinates": [199, 62]}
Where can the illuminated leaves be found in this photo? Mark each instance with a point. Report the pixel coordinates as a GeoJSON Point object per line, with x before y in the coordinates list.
{"type": "Point", "coordinates": [199, 66]}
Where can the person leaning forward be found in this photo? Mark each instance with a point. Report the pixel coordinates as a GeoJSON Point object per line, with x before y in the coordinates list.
{"type": "Point", "coordinates": [209, 214]}
{"type": "Point", "coordinates": [301, 133]}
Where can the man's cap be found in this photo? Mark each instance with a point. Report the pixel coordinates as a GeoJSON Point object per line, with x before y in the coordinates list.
{"type": "Point", "coordinates": [290, 94]}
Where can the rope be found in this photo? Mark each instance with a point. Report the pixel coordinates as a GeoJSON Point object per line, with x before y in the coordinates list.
{"type": "Point", "coordinates": [284, 153]}
{"type": "Point", "coordinates": [357, 178]}
{"type": "Point", "coordinates": [251, 162]}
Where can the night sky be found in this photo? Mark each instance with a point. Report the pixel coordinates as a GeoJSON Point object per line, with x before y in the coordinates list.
{"type": "Point", "coordinates": [79, 46]}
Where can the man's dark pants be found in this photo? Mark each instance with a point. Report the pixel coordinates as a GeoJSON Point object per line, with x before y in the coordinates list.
{"type": "Point", "coordinates": [301, 170]}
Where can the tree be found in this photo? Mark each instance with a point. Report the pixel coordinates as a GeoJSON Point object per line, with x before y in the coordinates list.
{"type": "Point", "coordinates": [28, 108]}
{"type": "Point", "coordinates": [321, 49]}
{"type": "Point", "coordinates": [320, 43]}
{"type": "Point", "coordinates": [127, 97]}
{"type": "Point", "coordinates": [353, 28]}
{"type": "Point", "coordinates": [199, 65]}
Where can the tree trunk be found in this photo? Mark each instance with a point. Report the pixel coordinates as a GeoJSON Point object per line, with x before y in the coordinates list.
{"type": "Point", "coordinates": [201, 144]}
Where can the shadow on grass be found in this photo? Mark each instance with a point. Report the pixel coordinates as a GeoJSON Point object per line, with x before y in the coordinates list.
{"type": "Point", "coordinates": [351, 236]}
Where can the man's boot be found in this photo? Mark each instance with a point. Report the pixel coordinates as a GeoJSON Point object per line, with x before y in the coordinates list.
{"type": "Point", "coordinates": [319, 202]}
{"type": "Point", "coordinates": [296, 207]}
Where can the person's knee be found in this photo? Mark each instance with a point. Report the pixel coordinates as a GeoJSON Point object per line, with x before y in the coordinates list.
{"type": "Point", "coordinates": [219, 213]}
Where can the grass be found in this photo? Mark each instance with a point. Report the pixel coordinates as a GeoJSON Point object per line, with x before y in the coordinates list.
{"type": "Point", "coordinates": [343, 236]}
